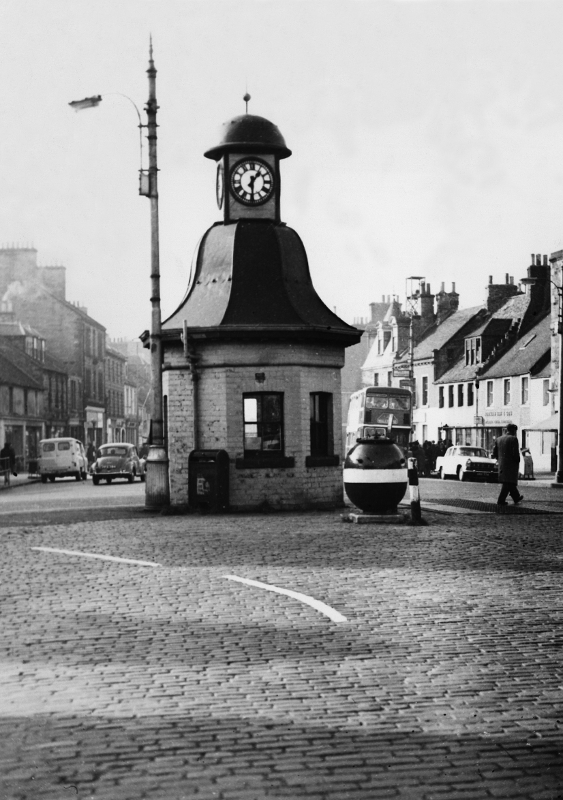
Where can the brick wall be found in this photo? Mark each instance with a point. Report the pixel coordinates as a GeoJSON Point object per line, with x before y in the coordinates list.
{"type": "Point", "coordinates": [226, 371]}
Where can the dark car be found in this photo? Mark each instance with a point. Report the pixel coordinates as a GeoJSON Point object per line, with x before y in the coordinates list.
{"type": "Point", "coordinates": [117, 460]}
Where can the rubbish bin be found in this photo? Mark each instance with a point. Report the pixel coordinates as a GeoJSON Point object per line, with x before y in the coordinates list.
{"type": "Point", "coordinates": [208, 480]}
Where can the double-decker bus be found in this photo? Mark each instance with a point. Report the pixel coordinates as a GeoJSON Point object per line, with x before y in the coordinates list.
{"type": "Point", "coordinates": [379, 411]}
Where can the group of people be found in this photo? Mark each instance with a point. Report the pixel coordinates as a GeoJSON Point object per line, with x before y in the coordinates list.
{"type": "Point", "coordinates": [427, 453]}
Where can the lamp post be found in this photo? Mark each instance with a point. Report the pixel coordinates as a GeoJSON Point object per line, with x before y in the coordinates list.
{"type": "Point", "coordinates": [559, 474]}
{"type": "Point", "coordinates": [157, 490]}
{"type": "Point", "coordinates": [558, 483]}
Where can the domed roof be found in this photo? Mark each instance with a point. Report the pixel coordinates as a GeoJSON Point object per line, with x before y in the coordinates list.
{"type": "Point", "coordinates": [249, 133]}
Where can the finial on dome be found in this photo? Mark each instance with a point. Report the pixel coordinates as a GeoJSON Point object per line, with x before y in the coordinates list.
{"type": "Point", "coordinates": [246, 98]}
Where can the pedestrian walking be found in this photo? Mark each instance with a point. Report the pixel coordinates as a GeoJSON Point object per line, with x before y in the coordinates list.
{"type": "Point", "coordinates": [8, 462]}
{"type": "Point", "coordinates": [507, 453]}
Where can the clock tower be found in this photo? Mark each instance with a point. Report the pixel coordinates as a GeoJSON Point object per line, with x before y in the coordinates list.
{"type": "Point", "coordinates": [252, 356]}
{"type": "Point", "coordinates": [248, 168]}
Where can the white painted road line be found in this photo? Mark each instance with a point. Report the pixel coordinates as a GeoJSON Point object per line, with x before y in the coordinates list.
{"type": "Point", "coordinates": [310, 601]}
{"type": "Point", "coordinates": [98, 555]}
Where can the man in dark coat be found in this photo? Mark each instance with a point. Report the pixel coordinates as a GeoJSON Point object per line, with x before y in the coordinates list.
{"type": "Point", "coordinates": [507, 453]}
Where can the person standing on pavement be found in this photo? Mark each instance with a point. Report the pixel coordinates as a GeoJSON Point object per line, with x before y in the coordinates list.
{"type": "Point", "coordinates": [9, 464]}
{"type": "Point", "coordinates": [507, 453]}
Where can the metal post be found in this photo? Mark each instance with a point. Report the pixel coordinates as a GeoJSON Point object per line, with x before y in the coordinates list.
{"type": "Point", "coordinates": [157, 491]}
{"type": "Point", "coordinates": [559, 474]}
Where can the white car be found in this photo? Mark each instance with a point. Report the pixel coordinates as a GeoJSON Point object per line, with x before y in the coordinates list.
{"type": "Point", "coordinates": [62, 458]}
{"type": "Point", "coordinates": [466, 463]}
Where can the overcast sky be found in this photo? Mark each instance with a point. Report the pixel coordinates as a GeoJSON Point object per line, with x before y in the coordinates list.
{"type": "Point", "coordinates": [427, 139]}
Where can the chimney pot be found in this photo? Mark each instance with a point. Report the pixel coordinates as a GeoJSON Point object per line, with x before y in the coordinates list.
{"type": "Point", "coordinates": [490, 279]}
{"type": "Point", "coordinates": [545, 260]}
{"type": "Point", "coordinates": [442, 287]}
{"type": "Point", "coordinates": [506, 280]}
{"type": "Point", "coordinates": [453, 287]}
{"type": "Point", "coordinates": [538, 259]}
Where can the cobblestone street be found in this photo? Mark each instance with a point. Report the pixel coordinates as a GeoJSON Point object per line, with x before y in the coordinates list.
{"type": "Point", "coordinates": [171, 680]}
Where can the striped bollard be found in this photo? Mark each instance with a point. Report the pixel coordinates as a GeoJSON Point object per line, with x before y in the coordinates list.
{"type": "Point", "coordinates": [416, 515]}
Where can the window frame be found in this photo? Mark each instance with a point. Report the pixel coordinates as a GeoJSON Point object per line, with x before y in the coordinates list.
{"type": "Point", "coordinates": [261, 453]}
{"type": "Point", "coordinates": [490, 396]}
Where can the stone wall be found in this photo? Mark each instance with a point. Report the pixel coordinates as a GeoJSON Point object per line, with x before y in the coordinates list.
{"type": "Point", "coordinates": [225, 372]}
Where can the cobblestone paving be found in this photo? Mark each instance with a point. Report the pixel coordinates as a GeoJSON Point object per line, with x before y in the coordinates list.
{"type": "Point", "coordinates": [445, 681]}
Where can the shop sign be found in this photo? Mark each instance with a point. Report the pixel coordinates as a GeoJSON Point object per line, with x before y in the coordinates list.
{"type": "Point", "coordinates": [402, 369]}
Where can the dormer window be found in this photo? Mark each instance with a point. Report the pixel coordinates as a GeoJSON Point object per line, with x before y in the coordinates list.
{"type": "Point", "coordinates": [386, 338]}
{"type": "Point", "coordinates": [35, 347]}
{"type": "Point", "coordinates": [473, 351]}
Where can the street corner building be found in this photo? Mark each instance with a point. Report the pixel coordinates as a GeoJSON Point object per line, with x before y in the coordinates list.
{"type": "Point", "coordinates": [252, 356]}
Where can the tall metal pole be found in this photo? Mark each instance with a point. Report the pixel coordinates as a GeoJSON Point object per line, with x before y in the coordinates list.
{"type": "Point", "coordinates": [157, 490]}
{"type": "Point", "coordinates": [559, 473]}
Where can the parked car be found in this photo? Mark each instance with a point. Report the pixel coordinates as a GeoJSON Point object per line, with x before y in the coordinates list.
{"type": "Point", "coordinates": [62, 458]}
{"type": "Point", "coordinates": [466, 463]}
{"type": "Point", "coordinates": [117, 460]}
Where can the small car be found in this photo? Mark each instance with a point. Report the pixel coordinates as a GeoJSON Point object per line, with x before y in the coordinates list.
{"type": "Point", "coordinates": [466, 463]}
{"type": "Point", "coordinates": [62, 457]}
{"type": "Point", "coordinates": [117, 460]}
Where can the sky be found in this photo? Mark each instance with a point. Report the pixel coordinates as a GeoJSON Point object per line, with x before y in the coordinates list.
{"type": "Point", "coordinates": [427, 139]}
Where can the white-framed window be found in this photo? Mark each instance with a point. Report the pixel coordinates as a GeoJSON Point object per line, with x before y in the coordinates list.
{"type": "Point", "coordinates": [546, 392]}
{"type": "Point", "coordinates": [470, 394]}
{"type": "Point", "coordinates": [524, 390]}
{"type": "Point", "coordinates": [389, 379]}
{"type": "Point", "coordinates": [460, 394]}
{"type": "Point", "coordinates": [506, 391]}
{"type": "Point", "coordinates": [376, 379]}
{"type": "Point", "coordinates": [490, 393]}
{"type": "Point", "coordinates": [425, 390]}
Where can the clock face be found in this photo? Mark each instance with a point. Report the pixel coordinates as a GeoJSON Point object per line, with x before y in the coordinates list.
{"type": "Point", "coordinates": [220, 185]}
{"type": "Point", "coordinates": [252, 182]}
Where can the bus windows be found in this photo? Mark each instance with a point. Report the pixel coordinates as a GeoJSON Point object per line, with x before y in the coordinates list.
{"type": "Point", "coordinates": [400, 403]}
{"type": "Point", "coordinates": [377, 401]}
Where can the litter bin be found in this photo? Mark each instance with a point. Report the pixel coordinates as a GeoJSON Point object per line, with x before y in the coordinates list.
{"type": "Point", "coordinates": [208, 480]}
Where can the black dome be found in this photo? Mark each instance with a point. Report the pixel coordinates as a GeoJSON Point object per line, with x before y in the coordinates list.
{"type": "Point", "coordinates": [249, 133]}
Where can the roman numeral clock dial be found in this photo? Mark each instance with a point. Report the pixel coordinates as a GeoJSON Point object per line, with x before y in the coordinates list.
{"type": "Point", "coordinates": [252, 182]}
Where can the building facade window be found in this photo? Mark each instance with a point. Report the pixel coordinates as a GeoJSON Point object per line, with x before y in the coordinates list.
{"type": "Point", "coordinates": [470, 394]}
{"type": "Point", "coordinates": [263, 424]}
{"type": "Point", "coordinates": [389, 379]}
{"type": "Point", "coordinates": [472, 351]}
{"type": "Point", "coordinates": [460, 394]}
{"type": "Point", "coordinates": [425, 390]}
{"type": "Point", "coordinates": [525, 390]}
{"type": "Point", "coordinates": [441, 396]}
{"type": "Point", "coordinates": [451, 396]}
{"type": "Point", "coordinates": [546, 392]}
{"type": "Point", "coordinates": [376, 379]}
{"type": "Point", "coordinates": [490, 393]}
{"type": "Point", "coordinates": [506, 391]}
{"type": "Point", "coordinates": [322, 440]}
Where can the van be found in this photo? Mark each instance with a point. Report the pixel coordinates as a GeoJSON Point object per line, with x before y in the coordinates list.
{"type": "Point", "coordinates": [62, 458]}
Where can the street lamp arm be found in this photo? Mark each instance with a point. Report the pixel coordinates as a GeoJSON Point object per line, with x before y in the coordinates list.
{"type": "Point", "coordinates": [92, 102]}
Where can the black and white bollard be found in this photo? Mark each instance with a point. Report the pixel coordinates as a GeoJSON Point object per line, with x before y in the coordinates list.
{"type": "Point", "coordinates": [416, 515]}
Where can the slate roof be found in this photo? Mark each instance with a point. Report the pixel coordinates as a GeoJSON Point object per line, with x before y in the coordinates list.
{"type": "Point", "coordinates": [11, 375]}
{"type": "Point", "coordinates": [527, 353]}
{"type": "Point", "coordinates": [439, 335]}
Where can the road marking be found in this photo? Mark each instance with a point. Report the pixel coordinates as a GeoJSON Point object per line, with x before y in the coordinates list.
{"type": "Point", "coordinates": [98, 555]}
{"type": "Point", "coordinates": [304, 598]}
